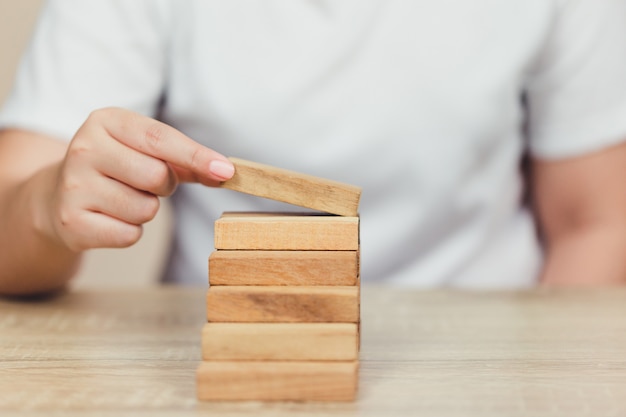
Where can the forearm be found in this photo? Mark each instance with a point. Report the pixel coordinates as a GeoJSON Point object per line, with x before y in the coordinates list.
{"type": "Point", "coordinates": [30, 261]}
{"type": "Point", "coordinates": [595, 255]}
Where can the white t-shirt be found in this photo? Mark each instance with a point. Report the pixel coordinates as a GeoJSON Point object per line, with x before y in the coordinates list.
{"type": "Point", "coordinates": [418, 102]}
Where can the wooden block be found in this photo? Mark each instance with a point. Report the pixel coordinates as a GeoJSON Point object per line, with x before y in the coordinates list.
{"type": "Point", "coordinates": [283, 304]}
{"type": "Point", "coordinates": [263, 231]}
{"type": "Point", "coordinates": [277, 381]}
{"type": "Point", "coordinates": [280, 341]}
{"type": "Point", "coordinates": [294, 188]}
{"type": "Point", "coordinates": [243, 267]}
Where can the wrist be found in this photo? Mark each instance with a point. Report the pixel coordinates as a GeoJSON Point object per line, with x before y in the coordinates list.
{"type": "Point", "coordinates": [39, 195]}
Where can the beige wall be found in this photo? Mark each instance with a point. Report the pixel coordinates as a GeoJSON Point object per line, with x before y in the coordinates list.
{"type": "Point", "coordinates": [136, 266]}
{"type": "Point", "coordinates": [16, 21]}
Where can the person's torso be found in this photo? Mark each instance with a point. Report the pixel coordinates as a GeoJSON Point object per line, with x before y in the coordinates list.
{"type": "Point", "coordinates": [417, 102]}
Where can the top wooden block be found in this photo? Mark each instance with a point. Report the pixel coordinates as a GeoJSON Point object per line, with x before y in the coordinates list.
{"type": "Point", "coordinates": [294, 188]}
{"type": "Point", "coordinates": [286, 231]}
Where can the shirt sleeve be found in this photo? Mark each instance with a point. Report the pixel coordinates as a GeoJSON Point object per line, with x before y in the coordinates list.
{"type": "Point", "coordinates": [577, 91]}
{"type": "Point", "coordinates": [85, 55]}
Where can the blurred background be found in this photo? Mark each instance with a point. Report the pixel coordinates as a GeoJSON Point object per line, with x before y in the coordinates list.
{"type": "Point", "coordinates": [139, 265]}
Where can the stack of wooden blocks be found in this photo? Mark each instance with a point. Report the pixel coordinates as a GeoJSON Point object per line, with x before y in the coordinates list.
{"type": "Point", "coordinates": [283, 305]}
{"type": "Point", "coordinates": [282, 308]}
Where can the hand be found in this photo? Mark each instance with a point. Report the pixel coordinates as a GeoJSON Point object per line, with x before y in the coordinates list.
{"type": "Point", "coordinates": [116, 167]}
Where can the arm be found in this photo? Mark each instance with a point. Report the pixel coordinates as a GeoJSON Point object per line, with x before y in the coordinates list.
{"type": "Point", "coordinates": [581, 206]}
{"type": "Point", "coordinates": [29, 262]}
{"type": "Point", "coordinates": [58, 200]}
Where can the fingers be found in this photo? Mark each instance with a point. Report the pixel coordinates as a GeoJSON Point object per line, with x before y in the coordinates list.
{"type": "Point", "coordinates": [138, 170]}
{"type": "Point", "coordinates": [161, 141]}
{"type": "Point", "coordinates": [122, 202]}
{"type": "Point", "coordinates": [97, 230]}
{"type": "Point", "coordinates": [115, 167]}
{"type": "Point", "coordinates": [110, 217]}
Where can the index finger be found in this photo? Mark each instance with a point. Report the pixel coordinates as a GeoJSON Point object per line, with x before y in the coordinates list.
{"type": "Point", "coordinates": [161, 141]}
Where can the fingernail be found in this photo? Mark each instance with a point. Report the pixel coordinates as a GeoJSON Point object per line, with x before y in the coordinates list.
{"type": "Point", "coordinates": [221, 169]}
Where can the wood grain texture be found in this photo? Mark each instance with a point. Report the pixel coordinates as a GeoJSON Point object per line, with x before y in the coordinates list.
{"type": "Point", "coordinates": [244, 267]}
{"type": "Point", "coordinates": [326, 304]}
{"type": "Point", "coordinates": [280, 341]}
{"type": "Point", "coordinates": [277, 381]}
{"type": "Point", "coordinates": [294, 188]}
{"type": "Point", "coordinates": [439, 353]}
{"type": "Point", "coordinates": [261, 231]}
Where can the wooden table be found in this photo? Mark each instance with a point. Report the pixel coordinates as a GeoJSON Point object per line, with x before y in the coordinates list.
{"type": "Point", "coordinates": [439, 353]}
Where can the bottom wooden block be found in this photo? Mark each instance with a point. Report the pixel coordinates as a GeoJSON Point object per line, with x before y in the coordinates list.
{"type": "Point", "coordinates": [277, 381]}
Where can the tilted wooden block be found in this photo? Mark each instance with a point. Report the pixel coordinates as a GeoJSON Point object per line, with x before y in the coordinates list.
{"type": "Point", "coordinates": [294, 188]}
{"type": "Point", "coordinates": [268, 231]}
{"type": "Point", "coordinates": [283, 304]}
{"type": "Point", "coordinates": [256, 267]}
{"type": "Point", "coordinates": [277, 381]}
{"type": "Point", "coordinates": [280, 341]}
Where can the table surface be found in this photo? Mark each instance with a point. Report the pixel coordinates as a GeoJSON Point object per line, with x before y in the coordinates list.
{"type": "Point", "coordinates": [434, 353]}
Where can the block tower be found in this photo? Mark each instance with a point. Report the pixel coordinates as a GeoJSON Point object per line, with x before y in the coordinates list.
{"type": "Point", "coordinates": [283, 306]}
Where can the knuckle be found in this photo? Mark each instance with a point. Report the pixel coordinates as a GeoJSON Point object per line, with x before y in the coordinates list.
{"type": "Point", "coordinates": [154, 136]}
{"type": "Point", "coordinates": [93, 116]}
{"type": "Point", "coordinates": [73, 182]}
{"type": "Point", "coordinates": [79, 148]}
{"type": "Point", "coordinates": [69, 229]}
{"type": "Point", "coordinates": [66, 212]}
{"type": "Point", "coordinates": [69, 183]}
{"type": "Point", "coordinates": [102, 114]}
{"type": "Point", "coordinates": [66, 218]}
{"type": "Point", "coordinates": [196, 158]}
